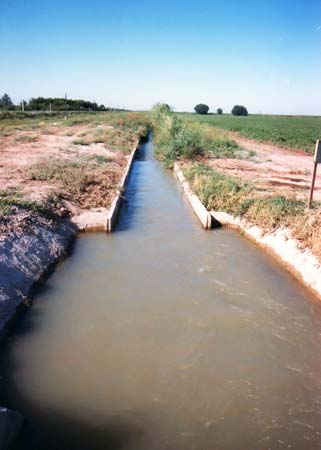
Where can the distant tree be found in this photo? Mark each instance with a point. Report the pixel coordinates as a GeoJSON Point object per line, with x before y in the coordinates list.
{"type": "Point", "coordinates": [201, 108]}
{"type": "Point", "coordinates": [37, 104]}
{"type": "Point", "coordinates": [239, 110]}
{"type": "Point", "coordinates": [219, 111]}
{"type": "Point", "coordinates": [6, 102]}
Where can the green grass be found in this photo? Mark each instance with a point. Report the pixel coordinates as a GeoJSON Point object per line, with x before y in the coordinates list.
{"type": "Point", "coordinates": [293, 132]}
{"type": "Point", "coordinates": [221, 192]}
{"type": "Point", "coordinates": [177, 139]}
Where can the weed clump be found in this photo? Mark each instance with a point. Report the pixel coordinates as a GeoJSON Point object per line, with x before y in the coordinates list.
{"type": "Point", "coordinates": [222, 192]}
{"type": "Point", "coordinates": [88, 182]}
{"type": "Point", "coordinates": [178, 139]}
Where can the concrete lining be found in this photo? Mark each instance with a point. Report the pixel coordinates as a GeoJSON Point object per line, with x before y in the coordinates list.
{"type": "Point", "coordinates": [104, 219]}
{"type": "Point", "coordinates": [281, 245]}
{"type": "Point", "coordinates": [199, 209]}
{"type": "Point", "coordinates": [116, 204]}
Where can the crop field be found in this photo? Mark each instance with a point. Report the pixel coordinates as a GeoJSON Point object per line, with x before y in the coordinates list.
{"type": "Point", "coordinates": [292, 132]}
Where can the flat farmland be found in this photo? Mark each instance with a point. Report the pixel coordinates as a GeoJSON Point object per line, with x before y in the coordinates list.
{"type": "Point", "coordinates": [291, 132]}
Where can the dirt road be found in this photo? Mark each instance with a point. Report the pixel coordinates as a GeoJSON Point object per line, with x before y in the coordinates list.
{"type": "Point", "coordinates": [274, 169]}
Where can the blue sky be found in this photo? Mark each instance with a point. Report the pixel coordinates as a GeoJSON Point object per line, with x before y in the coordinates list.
{"type": "Point", "coordinates": [263, 54]}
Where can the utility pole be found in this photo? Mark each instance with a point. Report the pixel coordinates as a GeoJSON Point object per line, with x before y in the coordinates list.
{"type": "Point", "coordinates": [50, 106]}
{"type": "Point", "coordinates": [66, 107]}
{"type": "Point", "coordinates": [317, 160]}
{"type": "Point", "coordinates": [22, 105]}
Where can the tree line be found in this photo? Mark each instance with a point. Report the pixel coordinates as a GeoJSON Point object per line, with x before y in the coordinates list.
{"type": "Point", "coordinates": [50, 104]}
{"type": "Point", "coordinates": [61, 104]}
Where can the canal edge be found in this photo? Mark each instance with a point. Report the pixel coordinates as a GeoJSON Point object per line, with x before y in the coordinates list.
{"type": "Point", "coordinates": [66, 232]}
{"type": "Point", "coordinates": [199, 209]}
{"type": "Point", "coordinates": [113, 212]}
{"type": "Point", "coordinates": [301, 263]}
{"type": "Point", "coordinates": [104, 219]}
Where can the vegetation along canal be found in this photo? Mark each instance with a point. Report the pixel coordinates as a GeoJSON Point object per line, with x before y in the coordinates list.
{"type": "Point", "coordinates": [164, 336]}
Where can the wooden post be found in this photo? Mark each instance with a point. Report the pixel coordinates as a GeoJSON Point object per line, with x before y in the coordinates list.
{"type": "Point", "coordinates": [66, 107]}
{"type": "Point", "coordinates": [317, 160]}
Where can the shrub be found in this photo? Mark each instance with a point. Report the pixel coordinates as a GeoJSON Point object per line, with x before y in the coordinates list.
{"type": "Point", "coordinates": [239, 110]}
{"type": "Point", "coordinates": [219, 111]}
{"type": "Point", "coordinates": [161, 111]}
{"type": "Point", "coordinates": [223, 192]}
{"type": "Point", "coordinates": [176, 139]}
{"type": "Point", "coordinates": [201, 108]}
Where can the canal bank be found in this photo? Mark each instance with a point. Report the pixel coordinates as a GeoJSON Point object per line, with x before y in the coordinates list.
{"type": "Point", "coordinates": [161, 336]}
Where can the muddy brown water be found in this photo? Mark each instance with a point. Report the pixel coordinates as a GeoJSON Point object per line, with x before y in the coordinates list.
{"type": "Point", "coordinates": [164, 336]}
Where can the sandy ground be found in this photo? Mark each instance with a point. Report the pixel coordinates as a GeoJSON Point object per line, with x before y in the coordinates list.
{"type": "Point", "coordinates": [273, 169]}
{"type": "Point", "coordinates": [22, 149]}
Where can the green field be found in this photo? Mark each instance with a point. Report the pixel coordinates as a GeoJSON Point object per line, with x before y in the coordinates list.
{"type": "Point", "coordinates": [294, 132]}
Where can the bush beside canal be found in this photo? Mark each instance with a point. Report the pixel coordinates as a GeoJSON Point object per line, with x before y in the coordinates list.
{"type": "Point", "coordinates": [177, 139]}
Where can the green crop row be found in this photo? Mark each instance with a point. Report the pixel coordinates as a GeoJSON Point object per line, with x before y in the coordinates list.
{"type": "Point", "coordinates": [293, 132]}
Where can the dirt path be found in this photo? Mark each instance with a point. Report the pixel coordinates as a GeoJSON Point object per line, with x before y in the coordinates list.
{"type": "Point", "coordinates": [274, 169]}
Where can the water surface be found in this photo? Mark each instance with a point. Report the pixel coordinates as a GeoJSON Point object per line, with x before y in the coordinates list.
{"type": "Point", "coordinates": [164, 336]}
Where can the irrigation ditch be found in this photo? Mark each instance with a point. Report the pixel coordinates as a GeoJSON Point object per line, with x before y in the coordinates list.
{"type": "Point", "coordinates": [137, 233]}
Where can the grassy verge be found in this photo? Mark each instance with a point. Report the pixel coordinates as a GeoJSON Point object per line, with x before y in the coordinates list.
{"type": "Point", "coordinates": [222, 192]}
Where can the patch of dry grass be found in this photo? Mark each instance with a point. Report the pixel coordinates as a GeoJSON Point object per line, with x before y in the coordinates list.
{"type": "Point", "coordinates": [88, 182]}
{"type": "Point", "coordinates": [307, 229]}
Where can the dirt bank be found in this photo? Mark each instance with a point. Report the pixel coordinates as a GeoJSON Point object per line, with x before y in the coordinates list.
{"type": "Point", "coordinates": [30, 247]}
{"type": "Point", "coordinates": [278, 170]}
